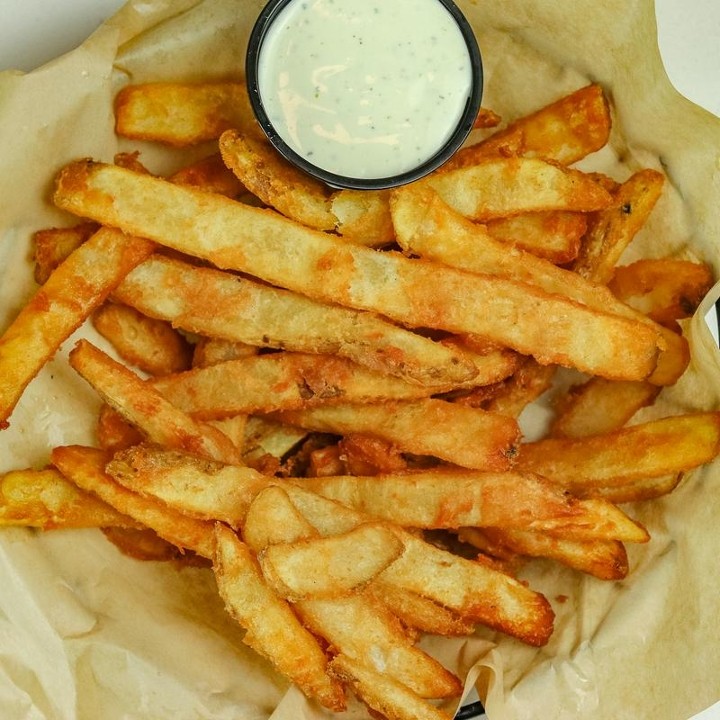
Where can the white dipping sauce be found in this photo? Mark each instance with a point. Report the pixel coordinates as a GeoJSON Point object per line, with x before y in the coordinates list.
{"type": "Point", "coordinates": [365, 88]}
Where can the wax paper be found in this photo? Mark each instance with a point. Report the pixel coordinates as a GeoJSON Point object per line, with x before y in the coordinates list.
{"type": "Point", "coordinates": [87, 633]}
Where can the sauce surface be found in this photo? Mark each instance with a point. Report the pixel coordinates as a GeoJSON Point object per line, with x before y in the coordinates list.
{"type": "Point", "coordinates": [365, 88]}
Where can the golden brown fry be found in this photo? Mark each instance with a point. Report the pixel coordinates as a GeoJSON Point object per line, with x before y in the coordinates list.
{"type": "Point", "coordinates": [47, 500]}
{"type": "Point", "coordinates": [651, 449]}
{"type": "Point", "coordinates": [554, 236]}
{"type": "Point", "coordinates": [272, 629]}
{"type": "Point", "coordinates": [365, 455]}
{"type": "Point", "coordinates": [182, 114]}
{"type": "Point", "coordinates": [279, 381]}
{"type": "Point", "coordinates": [604, 559]}
{"type": "Point", "coordinates": [329, 567]}
{"type": "Point", "coordinates": [566, 131]}
{"type": "Point", "coordinates": [452, 499]}
{"type": "Point", "coordinates": [599, 406]}
{"type": "Point", "coordinates": [665, 290]}
{"type": "Point", "coordinates": [363, 216]}
{"type": "Point", "coordinates": [146, 545]}
{"type": "Point", "coordinates": [145, 408]}
{"type": "Point", "coordinates": [53, 245]}
{"type": "Point", "coordinates": [486, 118]}
{"type": "Point", "coordinates": [264, 172]}
{"type": "Point", "coordinates": [639, 490]}
{"type": "Point", "coordinates": [387, 697]}
{"type": "Point", "coordinates": [197, 487]}
{"type": "Point", "coordinates": [267, 442]}
{"type": "Point", "coordinates": [214, 303]}
{"type": "Point", "coordinates": [114, 432]}
{"type": "Point", "coordinates": [610, 231]}
{"type": "Point", "coordinates": [499, 187]}
{"type": "Point", "coordinates": [422, 294]}
{"type": "Point", "coordinates": [85, 467]}
{"type": "Point", "coordinates": [465, 436]}
{"type": "Point", "coordinates": [210, 351]}
{"type": "Point", "coordinates": [210, 174]}
{"type": "Point", "coordinates": [151, 345]}
{"type": "Point", "coordinates": [75, 288]}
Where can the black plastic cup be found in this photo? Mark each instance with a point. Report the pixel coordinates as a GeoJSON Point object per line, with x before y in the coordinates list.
{"type": "Point", "coordinates": [465, 124]}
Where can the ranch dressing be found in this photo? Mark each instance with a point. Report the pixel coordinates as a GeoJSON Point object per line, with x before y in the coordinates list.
{"type": "Point", "coordinates": [365, 88]}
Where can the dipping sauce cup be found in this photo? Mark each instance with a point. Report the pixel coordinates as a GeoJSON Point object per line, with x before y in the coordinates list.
{"type": "Point", "coordinates": [364, 94]}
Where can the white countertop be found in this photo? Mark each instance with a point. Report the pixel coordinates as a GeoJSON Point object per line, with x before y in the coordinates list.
{"type": "Point", "coordinates": [35, 31]}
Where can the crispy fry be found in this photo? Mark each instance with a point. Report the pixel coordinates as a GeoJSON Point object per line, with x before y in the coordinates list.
{"type": "Point", "coordinates": [151, 345]}
{"type": "Point", "coordinates": [210, 174]}
{"type": "Point", "coordinates": [213, 303]}
{"type": "Point", "coordinates": [466, 436]}
{"type": "Point", "coordinates": [279, 381]}
{"type": "Point", "coordinates": [363, 216]}
{"type": "Point", "coordinates": [77, 286]}
{"type": "Point", "coordinates": [85, 467]}
{"type": "Point", "coordinates": [46, 499]}
{"type": "Point", "coordinates": [272, 629]}
{"type": "Point", "coordinates": [210, 351]}
{"type": "Point", "coordinates": [651, 449]}
{"type": "Point", "coordinates": [453, 499]}
{"type": "Point", "coordinates": [267, 441]}
{"type": "Point", "coordinates": [182, 114]}
{"type": "Point", "coordinates": [147, 409]}
{"type": "Point", "coordinates": [114, 432]}
{"type": "Point", "coordinates": [53, 245]}
{"type": "Point", "coordinates": [423, 294]}
{"type": "Point", "coordinates": [146, 545]}
{"type": "Point", "coordinates": [264, 172]}
{"type": "Point", "coordinates": [566, 130]}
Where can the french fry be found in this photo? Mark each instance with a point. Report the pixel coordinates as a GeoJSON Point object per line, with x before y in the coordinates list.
{"type": "Point", "coordinates": [114, 432]}
{"type": "Point", "coordinates": [210, 351]}
{"type": "Point", "coordinates": [268, 442]}
{"type": "Point", "coordinates": [46, 499]}
{"type": "Point", "coordinates": [264, 172]}
{"type": "Point", "coordinates": [146, 545]}
{"type": "Point", "coordinates": [197, 487]}
{"type": "Point", "coordinates": [85, 467]}
{"type": "Point", "coordinates": [363, 216]}
{"type": "Point", "coordinates": [599, 406]}
{"type": "Point", "coordinates": [603, 559]}
{"type": "Point", "coordinates": [146, 409]}
{"type": "Point", "coordinates": [272, 629]}
{"type": "Point", "coordinates": [566, 131]}
{"type": "Point", "coordinates": [151, 345]}
{"type": "Point", "coordinates": [182, 114]}
{"type": "Point", "coordinates": [465, 436]}
{"type": "Point", "coordinates": [214, 303]}
{"type": "Point", "coordinates": [210, 174]}
{"type": "Point", "coordinates": [53, 245]}
{"type": "Point", "coordinates": [329, 567]}
{"type": "Point", "coordinates": [75, 288]}
{"type": "Point", "coordinates": [639, 490]}
{"type": "Point", "coordinates": [422, 294]}
{"type": "Point", "coordinates": [453, 499]}
{"type": "Point", "coordinates": [554, 236]}
{"type": "Point", "coordinates": [388, 697]}
{"type": "Point", "coordinates": [652, 449]}
{"type": "Point", "coordinates": [279, 381]}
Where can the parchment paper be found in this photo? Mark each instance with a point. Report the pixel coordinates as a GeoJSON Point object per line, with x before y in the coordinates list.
{"type": "Point", "coordinates": [86, 633]}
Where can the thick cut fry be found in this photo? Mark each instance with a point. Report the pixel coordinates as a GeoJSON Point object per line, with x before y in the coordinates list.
{"type": "Point", "coordinates": [665, 290]}
{"type": "Point", "coordinates": [566, 131]}
{"type": "Point", "coordinates": [145, 408]}
{"type": "Point", "coordinates": [599, 406]}
{"type": "Point", "coordinates": [332, 566]}
{"type": "Point", "coordinates": [639, 490]}
{"type": "Point", "coordinates": [114, 433]}
{"type": "Point", "coordinates": [197, 487]}
{"type": "Point", "coordinates": [210, 174]}
{"type": "Point", "coordinates": [85, 467]}
{"type": "Point", "coordinates": [498, 187]}
{"type": "Point", "coordinates": [272, 629]}
{"type": "Point", "coordinates": [476, 592]}
{"type": "Point", "coordinates": [388, 697]}
{"type": "Point", "coordinates": [210, 351]}
{"type": "Point", "coordinates": [265, 244]}
{"type": "Point", "coordinates": [279, 381]}
{"type": "Point", "coordinates": [611, 231]}
{"type": "Point", "coordinates": [151, 345]}
{"type": "Point", "coordinates": [46, 499]}
{"type": "Point", "coordinates": [214, 303]}
{"type": "Point", "coordinates": [604, 559]}
{"type": "Point", "coordinates": [363, 216]}
{"type": "Point", "coordinates": [651, 449]}
{"type": "Point", "coordinates": [78, 286]}
{"type": "Point", "coordinates": [182, 114]}
{"type": "Point", "coordinates": [383, 642]}
{"type": "Point", "coordinates": [280, 185]}
{"type": "Point", "coordinates": [462, 435]}
{"type": "Point", "coordinates": [452, 499]}
{"type": "Point", "coordinates": [554, 236]}
{"type": "Point", "coordinates": [53, 245]}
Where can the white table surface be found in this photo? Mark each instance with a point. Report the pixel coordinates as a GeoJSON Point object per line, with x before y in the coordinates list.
{"type": "Point", "coordinates": [35, 31]}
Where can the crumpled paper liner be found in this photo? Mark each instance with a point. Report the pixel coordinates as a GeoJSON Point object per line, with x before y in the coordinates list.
{"type": "Point", "coordinates": [88, 633]}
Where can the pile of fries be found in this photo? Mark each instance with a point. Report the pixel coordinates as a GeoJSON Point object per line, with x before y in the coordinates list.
{"type": "Point", "coordinates": [317, 392]}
